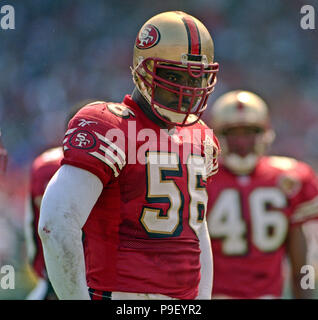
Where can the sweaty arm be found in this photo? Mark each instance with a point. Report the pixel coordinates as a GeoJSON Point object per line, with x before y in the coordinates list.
{"type": "Point", "coordinates": [66, 205]}
{"type": "Point", "coordinates": [206, 260]}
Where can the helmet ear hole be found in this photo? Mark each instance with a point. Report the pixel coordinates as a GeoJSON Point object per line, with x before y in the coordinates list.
{"type": "Point", "coordinates": [270, 136]}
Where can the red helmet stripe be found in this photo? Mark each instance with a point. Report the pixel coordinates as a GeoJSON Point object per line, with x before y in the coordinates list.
{"type": "Point", "coordinates": [240, 105]}
{"type": "Point", "coordinates": [193, 35]}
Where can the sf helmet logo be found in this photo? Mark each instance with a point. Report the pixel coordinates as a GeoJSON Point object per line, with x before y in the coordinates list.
{"type": "Point", "coordinates": [148, 37]}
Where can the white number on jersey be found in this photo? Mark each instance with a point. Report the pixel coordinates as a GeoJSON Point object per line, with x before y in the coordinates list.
{"type": "Point", "coordinates": [268, 226]}
{"type": "Point", "coordinates": [161, 189]}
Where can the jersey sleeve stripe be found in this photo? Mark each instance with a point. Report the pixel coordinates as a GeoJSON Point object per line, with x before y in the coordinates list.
{"type": "Point", "coordinates": [106, 161]}
{"type": "Point", "coordinates": [70, 131]}
{"type": "Point", "coordinates": [67, 133]}
{"type": "Point", "coordinates": [212, 169]}
{"type": "Point", "coordinates": [306, 210]}
{"type": "Point", "coordinates": [110, 154]}
{"type": "Point", "coordinates": [112, 145]}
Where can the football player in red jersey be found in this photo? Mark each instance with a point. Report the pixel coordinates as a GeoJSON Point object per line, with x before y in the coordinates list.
{"type": "Point", "coordinates": [3, 157]}
{"type": "Point", "coordinates": [257, 204]}
{"type": "Point", "coordinates": [43, 168]}
{"type": "Point", "coordinates": [133, 178]}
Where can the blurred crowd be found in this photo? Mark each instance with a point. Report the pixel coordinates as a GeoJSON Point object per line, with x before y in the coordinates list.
{"type": "Point", "coordinates": [63, 52]}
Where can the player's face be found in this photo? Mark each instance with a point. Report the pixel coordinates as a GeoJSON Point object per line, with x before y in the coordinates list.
{"type": "Point", "coordinates": [179, 77]}
{"type": "Point", "coordinates": [241, 140]}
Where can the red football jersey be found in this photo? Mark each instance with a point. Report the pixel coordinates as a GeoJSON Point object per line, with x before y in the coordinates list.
{"type": "Point", "coordinates": [249, 218]}
{"type": "Point", "coordinates": [141, 234]}
{"type": "Point", "coordinates": [42, 170]}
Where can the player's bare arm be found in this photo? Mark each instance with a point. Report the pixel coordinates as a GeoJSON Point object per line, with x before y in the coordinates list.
{"type": "Point", "coordinates": [206, 260]}
{"type": "Point", "coordinates": [297, 252]}
{"type": "Point", "coordinates": [66, 204]}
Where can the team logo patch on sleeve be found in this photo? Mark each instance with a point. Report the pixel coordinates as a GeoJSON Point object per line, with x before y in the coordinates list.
{"type": "Point", "coordinates": [82, 140]}
{"type": "Point", "coordinates": [289, 185]}
{"type": "Point", "coordinates": [98, 146]}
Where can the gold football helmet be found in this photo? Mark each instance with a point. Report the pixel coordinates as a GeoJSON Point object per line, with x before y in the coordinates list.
{"type": "Point", "coordinates": [241, 121]}
{"type": "Point", "coordinates": [173, 55]}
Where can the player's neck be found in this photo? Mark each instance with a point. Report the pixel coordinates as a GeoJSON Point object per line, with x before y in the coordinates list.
{"type": "Point", "coordinates": [145, 107]}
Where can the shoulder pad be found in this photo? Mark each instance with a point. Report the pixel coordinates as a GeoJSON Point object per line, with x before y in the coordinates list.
{"type": "Point", "coordinates": [97, 111]}
{"type": "Point", "coordinates": [283, 163]}
{"type": "Point", "coordinates": [120, 110]}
